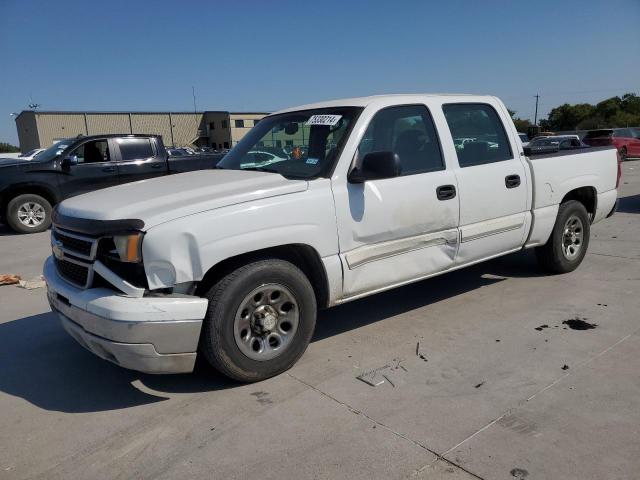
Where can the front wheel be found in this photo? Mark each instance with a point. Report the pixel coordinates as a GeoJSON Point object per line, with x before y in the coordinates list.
{"type": "Point", "coordinates": [569, 239]}
{"type": "Point", "coordinates": [259, 321]}
{"type": "Point", "coordinates": [29, 213]}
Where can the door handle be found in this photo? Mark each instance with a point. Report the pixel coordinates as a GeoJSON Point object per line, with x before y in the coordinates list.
{"type": "Point", "coordinates": [109, 169]}
{"type": "Point", "coordinates": [512, 181]}
{"type": "Point", "coordinates": [446, 192]}
{"type": "Point", "coordinates": [157, 165]}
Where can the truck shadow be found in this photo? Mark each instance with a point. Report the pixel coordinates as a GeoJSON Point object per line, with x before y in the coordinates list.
{"type": "Point", "coordinates": [394, 302]}
{"type": "Point", "coordinates": [629, 204]}
{"type": "Point", "coordinates": [40, 363]}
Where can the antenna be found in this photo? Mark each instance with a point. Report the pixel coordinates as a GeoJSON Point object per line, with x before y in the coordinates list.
{"type": "Point", "coordinates": [32, 104]}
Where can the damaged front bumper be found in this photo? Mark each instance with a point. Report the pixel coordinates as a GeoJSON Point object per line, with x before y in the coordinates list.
{"type": "Point", "coordinates": [148, 334]}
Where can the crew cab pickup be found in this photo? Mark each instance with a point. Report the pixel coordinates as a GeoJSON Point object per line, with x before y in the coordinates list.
{"type": "Point", "coordinates": [29, 190]}
{"type": "Point", "coordinates": [375, 192]}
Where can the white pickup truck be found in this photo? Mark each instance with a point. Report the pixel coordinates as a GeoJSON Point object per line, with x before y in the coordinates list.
{"type": "Point", "coordinates": [316, 206]}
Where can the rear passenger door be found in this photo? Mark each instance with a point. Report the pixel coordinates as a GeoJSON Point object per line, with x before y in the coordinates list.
{"type": "Point", "coordinates": [398, 229]}
{"type": "Point", "coordinates": [139, 159]}
{"type": "Point", "coordinates": [492, 182]}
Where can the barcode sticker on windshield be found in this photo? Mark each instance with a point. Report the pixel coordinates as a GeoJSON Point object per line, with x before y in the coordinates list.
{"type": "Point", "coordinates": [329, 120]}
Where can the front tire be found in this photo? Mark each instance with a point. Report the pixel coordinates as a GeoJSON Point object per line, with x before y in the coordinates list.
{"type": "Point", "coordinates": [29, 213]}
{"type": "Point", "coordinates": [259, 321]}
{"type": "Point", "coordinates": [569, 239]}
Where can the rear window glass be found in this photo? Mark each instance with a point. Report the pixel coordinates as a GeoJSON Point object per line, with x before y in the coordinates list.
{"type": "Point", "coordinates": [135, 148]}
{"type": "Point", "coordinates": [478, 133]}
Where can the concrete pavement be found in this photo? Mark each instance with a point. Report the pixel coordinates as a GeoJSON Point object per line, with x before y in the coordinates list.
{"type": "Point", "coordinates": [482, 380]}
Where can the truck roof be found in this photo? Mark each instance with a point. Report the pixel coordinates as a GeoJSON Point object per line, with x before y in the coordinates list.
{"type": "Point", "coordinates": [112, 135]}
{"type": "Point", "coordinates": [389, 98]}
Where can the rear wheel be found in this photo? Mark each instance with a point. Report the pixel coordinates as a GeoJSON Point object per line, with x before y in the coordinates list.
{"type": "Point", "coordinates": [569, 239]}
{"type": "Point", "coordinates": [259, 321]}
{"type": "Point", "coordinates": [29, 213]}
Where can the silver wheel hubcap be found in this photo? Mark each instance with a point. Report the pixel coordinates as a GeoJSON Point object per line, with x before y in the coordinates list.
{"type": "Point", "coordinates": [266, 322]}
{"type": "Point", "coordinates": [31, 214]}
{"type": "Point", "coordinates": [572, 237]}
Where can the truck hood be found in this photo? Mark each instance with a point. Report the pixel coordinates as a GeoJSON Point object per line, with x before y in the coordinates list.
{"type": "Point", "coordinates": [159, 200]}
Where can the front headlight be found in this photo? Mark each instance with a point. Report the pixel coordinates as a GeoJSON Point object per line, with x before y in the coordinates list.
{"type": "Point", "coordinates": [129, 247]}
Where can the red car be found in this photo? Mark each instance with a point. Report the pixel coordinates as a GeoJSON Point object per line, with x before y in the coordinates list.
{"type": "Point", "coordinates": [626, 140]}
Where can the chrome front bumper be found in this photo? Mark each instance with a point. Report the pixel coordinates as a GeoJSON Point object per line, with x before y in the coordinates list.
{"type": "Point", "coordinates": [148, 334]}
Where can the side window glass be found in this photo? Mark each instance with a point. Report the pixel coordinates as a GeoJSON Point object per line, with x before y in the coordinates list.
{"type": "Point", "coordinates": [135, 148]}
{"type": "Point", "coordinates": [93, 152]}
{"type": "Point", "coordinates": [407, 131]}
{"type": "Point", "coordinates": [478, 134]}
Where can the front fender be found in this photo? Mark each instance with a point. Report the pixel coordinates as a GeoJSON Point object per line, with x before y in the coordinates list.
{"type": "Point", "coordinates": [183, 250]}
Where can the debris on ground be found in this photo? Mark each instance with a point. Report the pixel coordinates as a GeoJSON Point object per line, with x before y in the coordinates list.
{"type": "Point", "coordinates": [565, 367]}
{"type": "Point", "coordinates": [390, 382]}
{"type": "Point", "coordinates": [579, 324]}
{"type": "Point", "coordinates": [418, 354]}
{"type": "Point", "coordinates": [9, 279]}
{"type": "Point", "coordinates": [541, 327]}
{"type": "Point", "coordinates": [479, 385]}
{"type": "Point", "coordinates": [370, 378]}
{"type": "Point", "coordinates": [33, 283]}
{"type": "Point", "coordinates": [388, 373]}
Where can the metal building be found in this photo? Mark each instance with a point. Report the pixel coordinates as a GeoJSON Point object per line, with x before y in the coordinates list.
{"type": "Point", "coordinates": [218, 129]}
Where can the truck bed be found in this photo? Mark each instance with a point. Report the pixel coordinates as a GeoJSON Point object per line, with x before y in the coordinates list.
{"type": "Point", "coordinates": [554, 175]}
{"type": "Point", "coordinates": [188, 163]}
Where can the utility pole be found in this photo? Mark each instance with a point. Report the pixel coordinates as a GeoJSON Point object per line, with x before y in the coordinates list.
{"type": "Point", "coordinates": [535, 118]}
{"type": "Point", "coordinates": [195, 112]}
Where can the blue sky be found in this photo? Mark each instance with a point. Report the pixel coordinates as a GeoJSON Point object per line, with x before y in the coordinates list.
{"type": "Point", "coordinates": [264, 55]}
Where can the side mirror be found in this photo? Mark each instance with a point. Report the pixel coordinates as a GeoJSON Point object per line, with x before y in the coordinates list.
{"type": "Point", "coordinates": [67, 162]}
{"type": "Point", "coordinates": [376, 166]}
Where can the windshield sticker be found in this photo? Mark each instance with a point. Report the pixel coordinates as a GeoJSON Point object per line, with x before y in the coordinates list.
{"type": "Point", "coordinates": [329, 120]}
{"type": "Point", "coordinates": [312, 161]}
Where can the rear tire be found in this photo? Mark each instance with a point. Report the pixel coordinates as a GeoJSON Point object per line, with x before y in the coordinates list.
{"type": "Point", "coordinates": [29, 213]}
{"type": "Point", "coordinates": [259, 321]}
{"type": "Point", "coordinates": [569, 239]}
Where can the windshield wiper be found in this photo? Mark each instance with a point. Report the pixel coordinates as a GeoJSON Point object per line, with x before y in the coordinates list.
{"type": "Point", "coordinates": [261, 169]}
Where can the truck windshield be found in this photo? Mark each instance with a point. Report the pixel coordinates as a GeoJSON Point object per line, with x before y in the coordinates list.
{"type": "Point", "coordinates": [53, 151]}
{"type": "Point", "coordinates": [303, 144]}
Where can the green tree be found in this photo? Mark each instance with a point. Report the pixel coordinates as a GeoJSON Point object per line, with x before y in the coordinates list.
{"type": "Point", "coordinates": [8, 148]}
{"type": "Point", "coordinates": [609, 108]}
{"type": "Point", "coordinates": [631, 103]}
{"type": "Point", "coordinates": [522, 125]}
{"type": "Point", "coordinates": [568, 117]}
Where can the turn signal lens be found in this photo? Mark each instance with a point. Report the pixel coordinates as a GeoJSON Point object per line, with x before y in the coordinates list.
{"type": "Point", "coordinates": [129, 247]}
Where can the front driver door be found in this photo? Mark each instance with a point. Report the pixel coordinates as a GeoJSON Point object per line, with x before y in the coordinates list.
{"type": "Point", "coordinates": [398, 229]}
{"type": "Point", "coordinates": [93, 168]}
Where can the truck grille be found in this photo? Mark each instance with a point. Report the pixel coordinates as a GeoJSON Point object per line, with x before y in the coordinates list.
{"type": "Point", "coordinates": [76, 273]}
{"type": "Point", "coordinates": [74, 244]}
{"type": "Point", "coordinates": [81, 246]}
{"type": "Point", "coordinates": [74, 256]}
